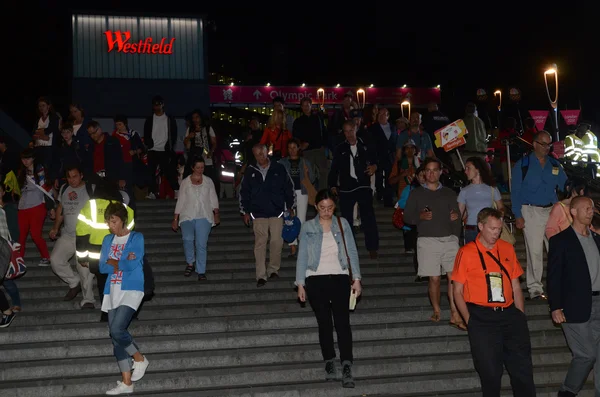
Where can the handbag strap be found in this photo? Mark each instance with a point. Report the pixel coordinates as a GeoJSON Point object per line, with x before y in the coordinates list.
{"type": "Point", "coordinates": [345, 248]}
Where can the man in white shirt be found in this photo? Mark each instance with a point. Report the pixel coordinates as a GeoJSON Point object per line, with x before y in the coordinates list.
{"type": "Point", "coordinates": [160, 136]}
{"type": "Point", "coordinates": [72, 198]}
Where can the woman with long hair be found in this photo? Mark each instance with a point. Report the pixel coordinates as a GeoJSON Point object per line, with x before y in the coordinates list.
{"type": "Point", "coordinates": [560, 216]}
{"type": "Point", "coordinates": [122, 258]}
{"type": "Point", "coordinates": [201, 141]}
{"type": "Point", "coordinates": [276, 135]}
{"type": "Point", "coordinates": [196, 212]}
{"type": "Point", "coordinates": [32, 204]}
{"type": "Point", "coordinates": [46, 132]}
{"type": "Point", "coordinates": [326, 279]}
{"type": "Point", "coordinates": [479, 194]}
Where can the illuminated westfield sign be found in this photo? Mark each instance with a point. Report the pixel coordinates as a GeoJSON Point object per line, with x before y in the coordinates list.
{"type": "Point", "coordinates": [122, 42]}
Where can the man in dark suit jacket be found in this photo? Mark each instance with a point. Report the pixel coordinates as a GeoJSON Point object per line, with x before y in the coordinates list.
{"type": "Point", "coordinates": [574, 293]}
{"type": "Point", "coordinates": [385, 136]}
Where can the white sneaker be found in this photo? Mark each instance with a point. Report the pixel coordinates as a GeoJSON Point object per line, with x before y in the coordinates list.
{"type": "Point", "coordinates": [121, 388]}
{"type": "Point", "coordinates": [139, 369]}
{"type": "Point", "coordinates": [44, 262]}
{"type": "Point", "coordinates": [151, 196]}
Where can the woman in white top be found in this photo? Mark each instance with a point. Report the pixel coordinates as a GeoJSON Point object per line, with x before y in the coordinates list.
{"type": "Point", "coordinates": [196, 212]}
{"type": "Point", "coordinates": [479, 194]}
{"type": "Point", "coordinates": [122, 257]}
{"type": "Point", "coordinates": [46, 131]}
{"type": "Point", "coordinates": [326, 247]}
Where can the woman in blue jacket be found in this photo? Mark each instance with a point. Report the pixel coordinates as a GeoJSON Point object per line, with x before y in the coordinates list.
{"type": "Point", "coordinates": [122, 257]}
{"type": "Point", "coordinates": [323, 276]}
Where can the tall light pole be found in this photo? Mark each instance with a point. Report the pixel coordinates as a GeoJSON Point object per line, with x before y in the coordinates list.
{"type": "Point", "coordinates": [406, 103]}
{"type": "Point", "coordinates": [554, 103]}
{"type": "Point", "coordinates": [498, 94]}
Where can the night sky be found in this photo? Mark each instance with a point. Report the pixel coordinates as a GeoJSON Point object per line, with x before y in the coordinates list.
{"type": "Point", "coordinates": [461, 48]}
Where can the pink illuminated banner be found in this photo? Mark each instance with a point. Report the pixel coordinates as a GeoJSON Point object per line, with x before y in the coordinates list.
{"type": "Point", "coordinates": [570, 116]}
{"type": "Point", "coordinates": [293, 95]}
{"type": "Point", "coordinates": [539, 116]}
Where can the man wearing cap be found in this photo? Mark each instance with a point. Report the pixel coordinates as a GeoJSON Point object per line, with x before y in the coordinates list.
{"type": "Point", "coordinates": [574, 294]}
{"type": "Point", "coordinates": [419, 137]}
{"type": "Point", "coordinates": [160, 136]}
{"type": "Point", "coordinates": [279, 103]}
{"type": "Point", "coordinates": [487, 293]}
{"type": "Point", "coordinates": [311, 132]}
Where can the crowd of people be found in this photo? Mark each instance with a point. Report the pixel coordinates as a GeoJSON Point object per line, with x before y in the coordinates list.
{"type": "Point", "coordinates": [83, 178]}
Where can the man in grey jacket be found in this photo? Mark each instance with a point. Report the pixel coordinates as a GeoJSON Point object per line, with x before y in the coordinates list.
{"type": "Point", "coordinates": [434, 210]}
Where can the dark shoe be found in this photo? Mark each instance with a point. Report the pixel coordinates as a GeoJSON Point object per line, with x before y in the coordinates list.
{"type": "Point", "coordinates": [188, 270]}
{"type": "Point", "coordinates": [6, 320]}
{"type": "Point", "coordinates": [88, 305]}
{"type": "Point", "coordinates": [202, 277]}
{"type": "Point", "coordinates": [274, 276]}
{"type": "Point", "coordinates": [261, 282]}
{"type": "Point", "coordinates": [356, 229]}
{"type": "Point", "coordinates": [104, 317]}
{"type": "Point", "coordinates": [537, 297]}
{"type": "Point", "coordinates": [373, 254]}
{"type": "Point", "coordinates": [73, 292]}
{"type": "Point", "coordinates": [347, 379]}
{"type": "Point", "coordinates": [564, 393]}
{"type": "Point", "coordinates": [330, 370]}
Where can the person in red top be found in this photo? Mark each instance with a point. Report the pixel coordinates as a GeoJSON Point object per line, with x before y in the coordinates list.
{"type": "Point", "coordinates": [131, 146]}
{"type": "Point", "coordinates": [106, 161]}
{"type": "Point", "coordinates": [276, 134]}
{"type": "Point", "coordinates": [487, 293]}
{"type": "Point", "coordinates": [530, 130]}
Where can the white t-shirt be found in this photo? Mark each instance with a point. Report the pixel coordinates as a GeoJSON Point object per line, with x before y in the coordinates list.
{"type": "Point", "coordinates": [354, 150]}
{"type": "Point", "coordinates": [44, 124]}
{"type": "Point", "coordinates": [160, 132]}
{"type": "Point", "coordinates": [116, 297]}
{"type": "Point", "coordinates": [76, 128]}
{"type": "Point", "coordinates": [72, 201]}
{"type": "Point", "coordinates": [329, 263]}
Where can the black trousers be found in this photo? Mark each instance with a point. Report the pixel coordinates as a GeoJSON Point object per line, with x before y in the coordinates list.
{"type": "Point", "coordinates": [168, 169]}
{"type": "Point", "coordinates": [385, 193]}
{"type": "Point", "coordinates": [4, 305]}
{"type": "Point", "coordinates": [329, 295]}
{"type": "Point", "coordinates": [410, 238]}
{"type": "Point", "coordinates": [501, 338]}
{"type": "Point", "coordinates": [364, 198]}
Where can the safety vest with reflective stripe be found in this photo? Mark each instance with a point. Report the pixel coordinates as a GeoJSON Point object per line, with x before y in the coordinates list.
{"type": "Point", "coordinates": [590, 146]}
{"type": "Point", "coordinates": [90, 221]}
{"type": "Point", "coordinates": [574, 148]}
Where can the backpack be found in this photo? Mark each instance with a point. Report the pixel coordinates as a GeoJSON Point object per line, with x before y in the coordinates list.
{"type": "Point", "coordinates": [88, 187]}
{"type": "Point", "coordinates": [525, 164]}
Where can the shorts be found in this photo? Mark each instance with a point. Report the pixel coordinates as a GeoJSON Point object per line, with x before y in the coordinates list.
{"type": "Point", "coordinates": [436, 255]}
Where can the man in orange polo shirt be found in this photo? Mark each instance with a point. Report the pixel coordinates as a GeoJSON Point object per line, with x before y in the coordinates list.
{"type": "Point", "coordinates": [487, 293]}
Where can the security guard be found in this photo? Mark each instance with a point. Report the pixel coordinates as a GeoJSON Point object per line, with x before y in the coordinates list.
{"type": "Point", "coordinates": [589, 146]}
{"type": "Point", "coordinates": [91, 229]}
{"type": "Point", "coordinates": [487, 292]}
{"type": "Point", "coordinates": [574, 148]}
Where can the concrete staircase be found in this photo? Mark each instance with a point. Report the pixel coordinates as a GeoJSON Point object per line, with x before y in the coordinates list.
{"type": "Point", "coordinates": [225, 337]}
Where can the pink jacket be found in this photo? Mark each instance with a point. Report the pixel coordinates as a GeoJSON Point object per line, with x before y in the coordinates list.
{"type": "Point", "coordinates": [559, 219]}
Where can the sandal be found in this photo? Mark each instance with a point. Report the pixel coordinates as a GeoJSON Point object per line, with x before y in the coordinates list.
{"type": "Point", "coordinates": [188, 270]}
{"type": "Point", "coordinates": [461, 326]}
{"type": "Point", "coordinates": [16, 309]}
{"type": "Point", "coordinates": [436, 317]}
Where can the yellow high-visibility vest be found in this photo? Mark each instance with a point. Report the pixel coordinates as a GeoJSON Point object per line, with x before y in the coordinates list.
{"type": "Point", "coordinates": [90, 221]}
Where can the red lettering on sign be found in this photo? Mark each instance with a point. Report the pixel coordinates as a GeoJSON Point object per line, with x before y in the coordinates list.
{"type": "Point", "coordinates": [120, 40]}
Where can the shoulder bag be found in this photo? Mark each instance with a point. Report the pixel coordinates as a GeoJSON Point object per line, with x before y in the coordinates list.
{"type": "Point", "coordinates": [506, 235]}
{"type": "Point", "coordinates": [352, 302]}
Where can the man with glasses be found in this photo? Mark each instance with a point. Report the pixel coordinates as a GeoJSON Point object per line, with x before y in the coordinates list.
{"type": "Point", "coordinates": [350, 177]}
{"type": "Point", "coordinates": [105, 158]}
{"type": "Point", "coordinates": [535, 181]}
{"type": "Point", "coordinates": [433, 208]}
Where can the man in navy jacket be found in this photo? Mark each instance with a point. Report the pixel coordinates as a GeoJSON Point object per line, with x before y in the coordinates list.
{"type": "Point", "coordinates": [574, 294]}
{"type": "Point", "coordinates": [267, 191]}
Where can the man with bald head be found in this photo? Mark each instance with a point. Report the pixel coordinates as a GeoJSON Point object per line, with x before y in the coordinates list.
{"type": "Point", "coordinates": [574, 294]}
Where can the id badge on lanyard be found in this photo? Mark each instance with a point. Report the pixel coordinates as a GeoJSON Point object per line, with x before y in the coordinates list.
{"type": "Point", "coordinates": [494, 280]}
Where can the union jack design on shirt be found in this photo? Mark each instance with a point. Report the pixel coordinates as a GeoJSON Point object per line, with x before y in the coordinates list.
{"type": "Point", "coordinates": [117, 278]}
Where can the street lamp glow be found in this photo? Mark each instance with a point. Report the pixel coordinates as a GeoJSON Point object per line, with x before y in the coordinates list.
{"type": "Point", "coordinates": [371, 86]}
{"type": "Point", "coordinates": [361, 102]}
{"type": "Point", "coordinates": [338, 85]}
{"type": "Point", "coordinates": [402, 105]}
{"type": "Point", "coordinates": [438, 86]}
{"type": "Point", "coordinates": [553, 70]}
{"type": "Point", "coordinates": [550, 71]}
{"type": "Point", "coordinates": [303, 85]}
{"type": "Point", "coordinates": [499, 94]}
{"type": "Point", "coordinates": [231, 84]}
{"type": "Point", "coordinates": [404, 86]}
{"type": "Point", "coordinates": [268, 84]}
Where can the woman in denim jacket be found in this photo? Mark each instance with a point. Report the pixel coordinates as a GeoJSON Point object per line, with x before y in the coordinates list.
{"type": "Point", "coordinates": [322, 277]}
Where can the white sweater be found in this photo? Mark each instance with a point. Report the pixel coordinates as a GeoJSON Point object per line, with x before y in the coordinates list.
{"type": "Point", "coordinates": [197, 201]}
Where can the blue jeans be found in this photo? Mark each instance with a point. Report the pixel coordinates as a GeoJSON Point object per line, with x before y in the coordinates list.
{"type": "Point", "coordinates": [195, 238]}
{"type": "Point", "coordinates": [124, 346]}
{"type": "Point", "coordinates": [470, 235]}
{"type": "Point", "coordinates": [13, 291]}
